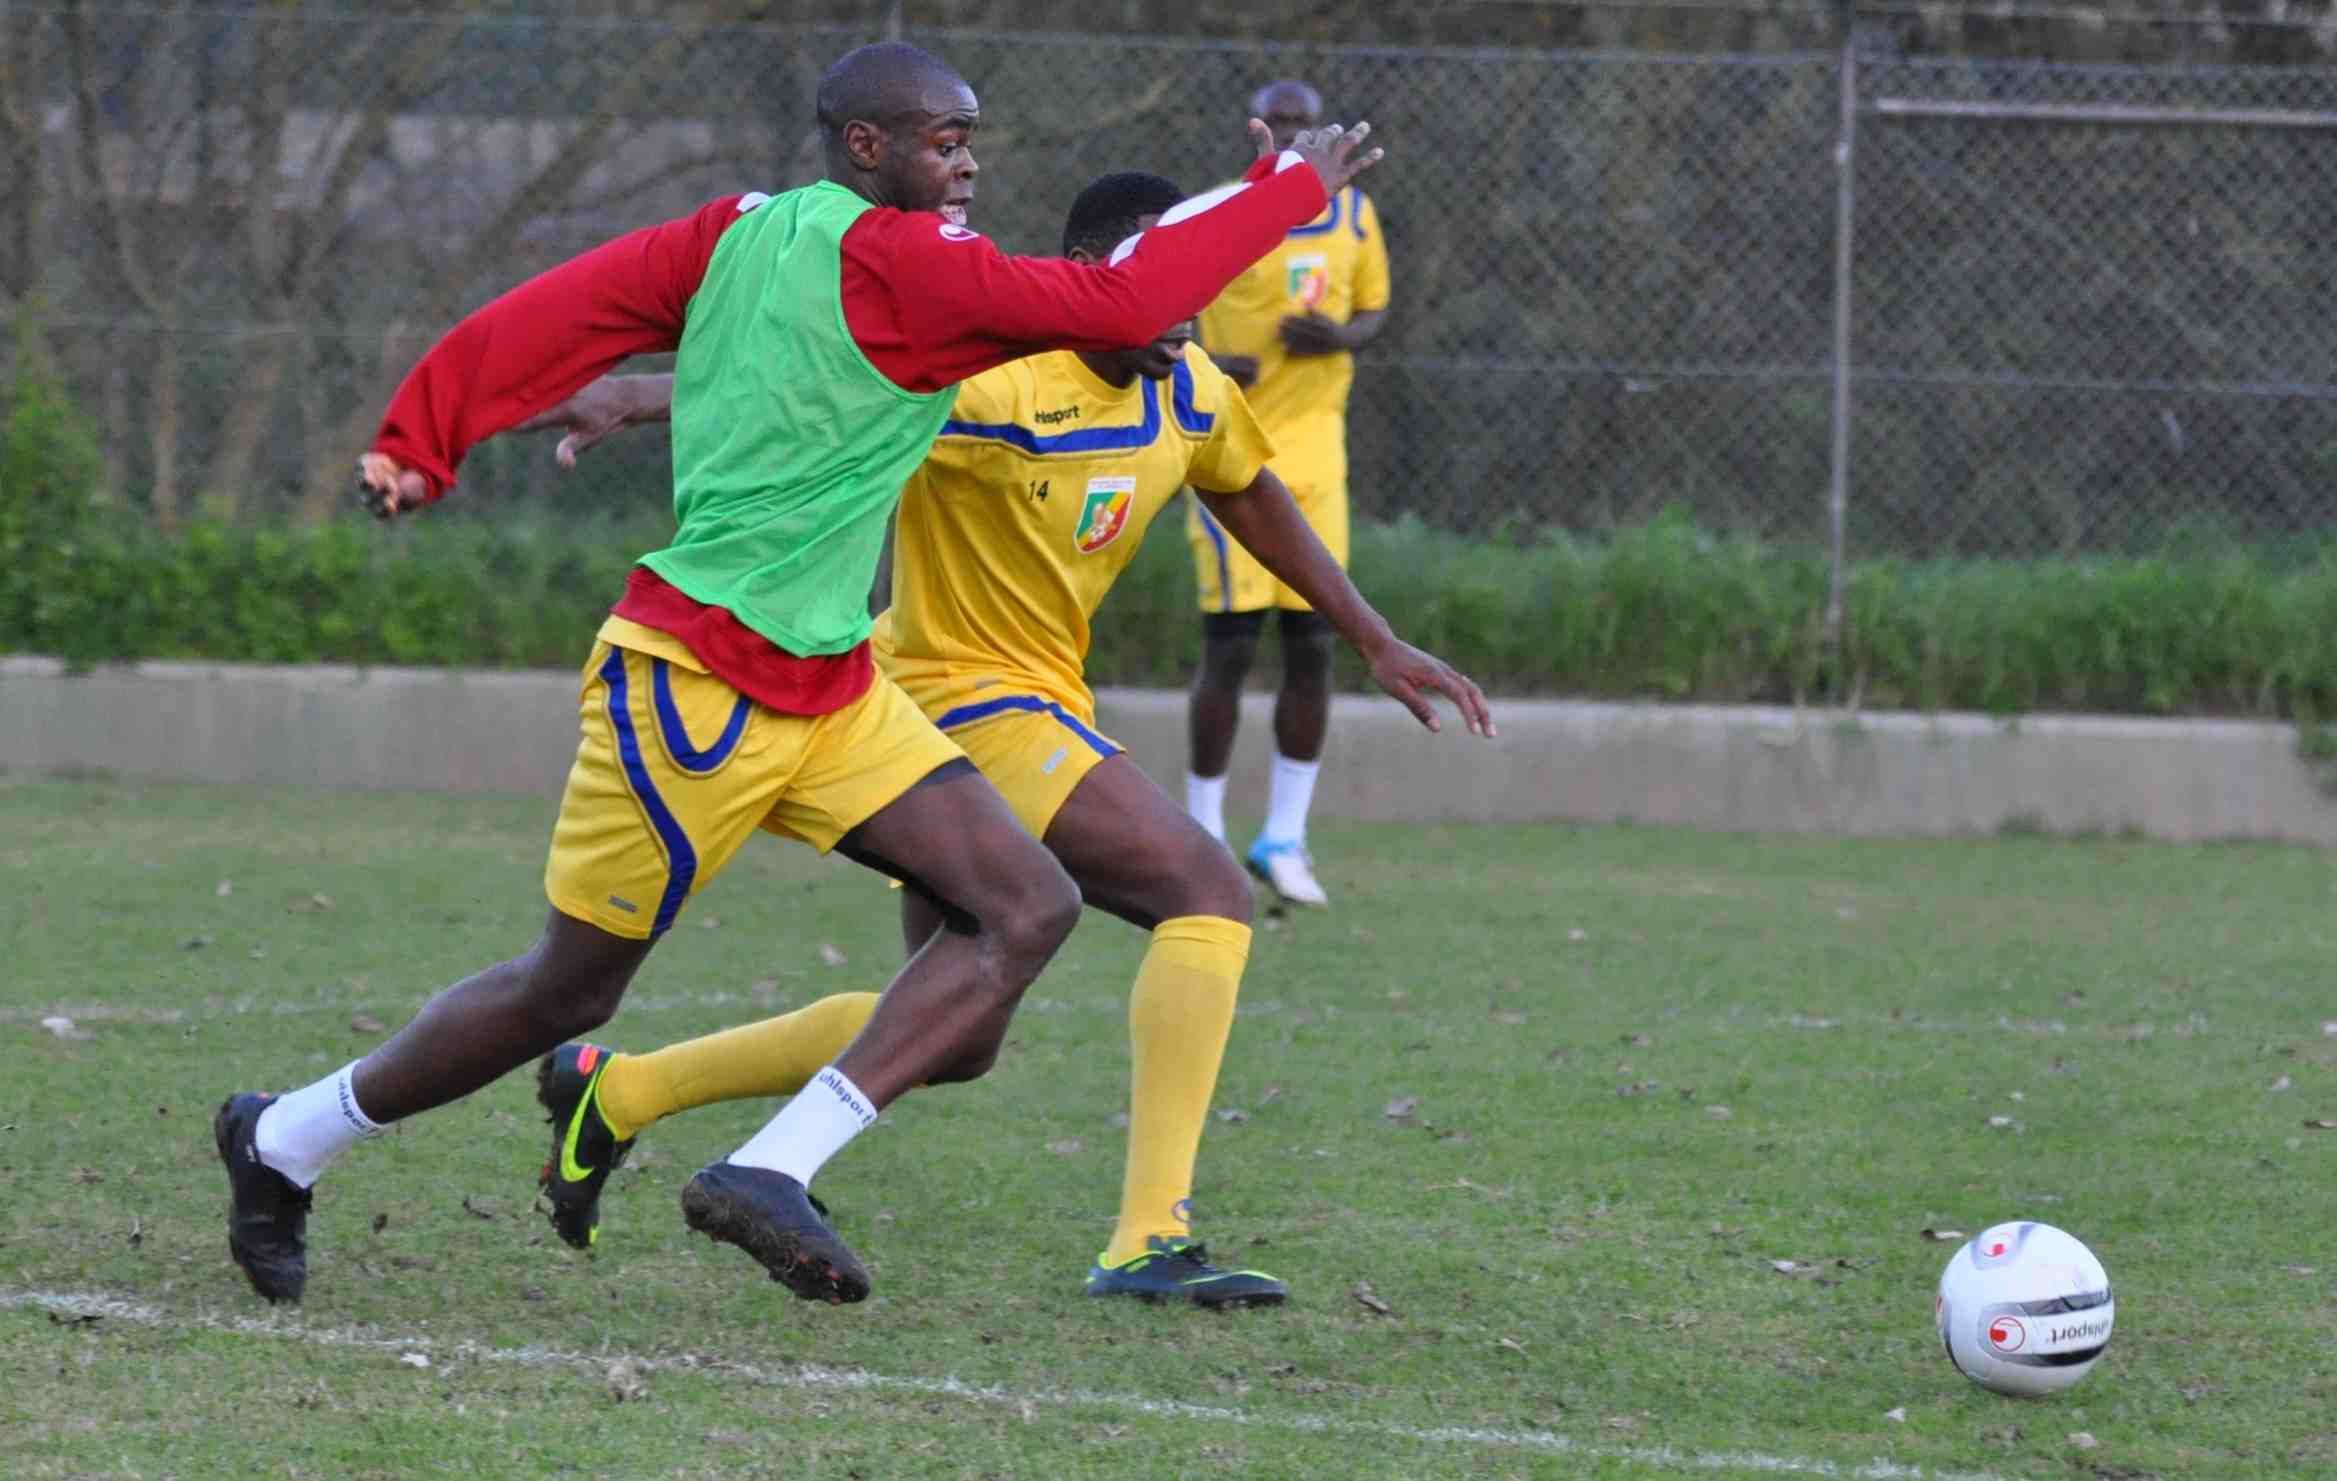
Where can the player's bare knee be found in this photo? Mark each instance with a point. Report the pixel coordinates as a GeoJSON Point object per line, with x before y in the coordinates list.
{"type": "Point", "coordinates": [1215, 884]}
{"type": "Point", "coordinates": [1306, 659]}
{"type": "Point", "coordinates": [1041, 916]}
{"type": "Point", "coordinates": [1225, 665]}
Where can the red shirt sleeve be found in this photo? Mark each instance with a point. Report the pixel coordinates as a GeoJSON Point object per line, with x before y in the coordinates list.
{"type": "Point", "coordinates": [530, 349]}
{"type": "Point", "coordinates": [931, 304]}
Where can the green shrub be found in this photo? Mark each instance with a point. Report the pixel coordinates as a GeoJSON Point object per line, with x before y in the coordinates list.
{"type": "Point", "coordinates": [1662, 610]}
{"type": "Point", "coordinates": [50, 471]}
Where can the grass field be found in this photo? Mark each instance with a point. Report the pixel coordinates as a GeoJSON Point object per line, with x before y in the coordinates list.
{"type": "Point", "coordinates": [1639, 1069]}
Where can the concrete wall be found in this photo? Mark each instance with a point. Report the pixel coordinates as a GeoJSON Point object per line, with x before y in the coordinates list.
{"type": "Point", "coordinates": [1745, 768]}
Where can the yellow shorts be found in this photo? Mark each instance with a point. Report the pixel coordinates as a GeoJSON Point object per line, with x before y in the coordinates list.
{"type": "Point", "coordinates": [676, 769]}
{"type": "Point", "coordinates": [1231, 579]}
{"type": "Point", "coordinates": [1034, 750]}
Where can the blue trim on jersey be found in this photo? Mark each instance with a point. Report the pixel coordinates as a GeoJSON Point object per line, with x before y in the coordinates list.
{"type": "Point", "coordinates": [1320, 227]}
{"type": "Point", "coordinates": [677, 735]}
{"type": "Point", "coordinates": [1190, 417]}
{"type": "Point", "coordinates": [1355, 212]}
{"type": "Point", "coordinates": [968, 714]}
{"type": "Point", "coordinates": [1083, 440]}
{"type": "Point", "coordinates": [1216, 536]}
{"type": "Point", "coordinates": [681, 860]}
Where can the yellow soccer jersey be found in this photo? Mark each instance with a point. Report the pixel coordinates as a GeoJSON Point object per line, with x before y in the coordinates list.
{"type": "Point", "coordinates": [1337, 265]}
{"type": "Point", "coordinates": [1032, 502]}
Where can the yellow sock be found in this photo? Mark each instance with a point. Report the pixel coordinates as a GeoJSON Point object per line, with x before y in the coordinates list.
{"type": "Point", "coordinates": [775, 1057]}
{"type": "Point", "coordinates": [1178, 1019]}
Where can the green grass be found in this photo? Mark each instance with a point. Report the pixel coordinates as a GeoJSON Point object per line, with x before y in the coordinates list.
{"type": "Point", "coordinates": [1581, 1278]}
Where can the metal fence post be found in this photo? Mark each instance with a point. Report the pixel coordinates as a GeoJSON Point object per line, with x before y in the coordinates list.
{"type": "Point", "coordinates": [1845, 181]}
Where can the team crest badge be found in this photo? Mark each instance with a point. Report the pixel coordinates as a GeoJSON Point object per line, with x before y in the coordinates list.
{"type": "Point", "coordinates": [1310, 278]}
{"type": "Point", "coordinates": [1105, 514]}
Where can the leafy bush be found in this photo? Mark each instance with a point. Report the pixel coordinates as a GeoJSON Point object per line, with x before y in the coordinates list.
{"type": "Point", "coordinates": [50, 472]}
{"type": "Point", "coordinates": [1663, 611]}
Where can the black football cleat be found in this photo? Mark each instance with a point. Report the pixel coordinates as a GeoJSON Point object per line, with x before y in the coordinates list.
{"type": "Point", "coordinates": [584, 1150]}
{"type": "Point", "coordinates": [267, 1213]}
{"type": "Point", "coordinates": [1179, 1270]}
{"type": "Point", "coordinates": [775, 1219]}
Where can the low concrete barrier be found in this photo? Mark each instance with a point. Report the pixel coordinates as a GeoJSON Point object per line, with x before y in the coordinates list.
{"type": "Point", "coordinates": [1743, 768]}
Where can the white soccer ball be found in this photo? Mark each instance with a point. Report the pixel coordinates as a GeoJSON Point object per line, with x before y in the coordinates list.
{"type": "Point", "coordinates": [2025, 1309]}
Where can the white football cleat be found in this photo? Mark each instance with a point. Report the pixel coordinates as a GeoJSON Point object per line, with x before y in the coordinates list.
{"type": "Point", "coordinates": [1288, 872]}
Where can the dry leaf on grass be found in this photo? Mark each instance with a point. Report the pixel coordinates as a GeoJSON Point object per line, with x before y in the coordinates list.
{"type": "Point", "coordinates": [2004, 1123]}
{"type": "Point", "coordinates": [625, 1381]}
{"type": "Point", "coordinates": [1401, 1107]}
{"type": "Point", "coordinates": [2082, 1440]}
{"type": "Point", "coordinates": [1065, 1147]}
{"type": "Point", "coordinates": [87, 1175]}
{"type": "Point", "coordinates": [194, 943]}
{"type": "Point", "coordinates": [1718, 1113]}
{"type": "Point", "coordinates": [2322, 1125]}
{"type": "Point", "coordinates": [480, 1210]}
{"type": "Point", "coordinates": [366, 1023]}
{"type": "Point", "coordinates": [831, 957]}
{"type": "Point", "coordinates": [414, 1360]}
{"type": "Point", "coordinates": [1896, 1416]}
{"type": "Point", "coordinates": [1942, 1236]}
{"type": "Point", "coordinates": [1370, 1302]}
{"type": "Point", "coordinates": [1233, 1114]}
{"type": "Point", "coordinates": [2283, 1083]}
{"type": "Point", "coordinates": [380, 1222]}
{"type": "Point", "coordinates": [225, 888]}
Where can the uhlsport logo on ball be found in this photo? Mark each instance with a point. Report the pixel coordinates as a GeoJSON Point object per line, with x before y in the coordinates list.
{"type": "Point", "coordinates": [2024, 1309]}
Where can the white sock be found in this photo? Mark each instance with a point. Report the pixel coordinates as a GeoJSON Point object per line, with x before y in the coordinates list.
{"type": "Point", "coordinates": [1288, 796]}
{"type": "Point", "coordinates": [1205, 800]}
{"type": "Point", "coordinates": [304, 1129]}
{"type": "Point", "coordinates": [809, 1129]}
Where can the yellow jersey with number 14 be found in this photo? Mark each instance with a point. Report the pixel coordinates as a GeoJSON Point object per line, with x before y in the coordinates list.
{"type": "Point", "coordinates": [1336, 265]}
{"type": "Point", "coordinates": [1033, 500]}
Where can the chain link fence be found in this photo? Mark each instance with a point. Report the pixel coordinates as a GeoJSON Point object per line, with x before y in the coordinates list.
{"type": "Point", "coordinates": [1615, 273]}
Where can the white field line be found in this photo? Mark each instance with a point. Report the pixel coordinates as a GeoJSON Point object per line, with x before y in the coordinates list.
{"type": "Point", "coordinates": [747, 1004]}
{"type": "Point", "coordinates": [853, 1380]}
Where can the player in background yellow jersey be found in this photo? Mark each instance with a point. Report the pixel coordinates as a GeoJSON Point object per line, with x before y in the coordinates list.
{"type": "Point", "coordinates": [1032, 501]}
{"type": "Point", "coordinates": [1286, 331]}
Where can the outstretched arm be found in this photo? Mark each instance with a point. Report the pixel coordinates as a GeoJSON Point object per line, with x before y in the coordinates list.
{"type": "Point", "coordinates": [1267, 522]}
{"type": "Point", "coordinates": [532, 347]}
{"type": "Point", "coordinates": [932, 303]}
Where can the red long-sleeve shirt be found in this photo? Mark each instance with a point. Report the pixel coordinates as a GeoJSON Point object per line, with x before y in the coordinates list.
{"type": "Point", "coordinates": [928, 302]}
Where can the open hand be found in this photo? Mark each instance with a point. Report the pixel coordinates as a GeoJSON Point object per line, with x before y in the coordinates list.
{"type": "Point", "coordinates": [1404, 671]}
{"type": "Point", "coordinates": [1335, 153]}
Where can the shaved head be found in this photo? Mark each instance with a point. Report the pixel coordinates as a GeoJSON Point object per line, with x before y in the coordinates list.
{"type": "Point", "coordinates": [895, 122]}
{"type": "Point", "coordinates": [888, 84]}
{"type": "Point", "coordinates": [1286, 96]}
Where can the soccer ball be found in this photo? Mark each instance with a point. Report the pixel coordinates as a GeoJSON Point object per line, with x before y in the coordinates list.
{"type": "Point", "coordinates": [2025, 1309]}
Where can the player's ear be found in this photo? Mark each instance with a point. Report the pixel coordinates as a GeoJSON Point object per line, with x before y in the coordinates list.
{"type": "Point", "coordinates": [1084, 256]}
{"type": "Point", "coordinates": [865, 144]}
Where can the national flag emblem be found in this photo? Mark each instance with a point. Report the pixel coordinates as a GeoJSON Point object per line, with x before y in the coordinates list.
{"type": "Point", "coordinates": [1105, 514]}
{"type": "Point", "coordinates": [1310, 278]}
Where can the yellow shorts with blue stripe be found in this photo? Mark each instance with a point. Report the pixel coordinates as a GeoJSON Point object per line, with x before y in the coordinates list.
{"type": "Point", "coordinates": [1230, 578]}
{"type": "Point", "coordinates": [1034, 750]}
{"type": "Point", "coordinates": [677, 769]}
